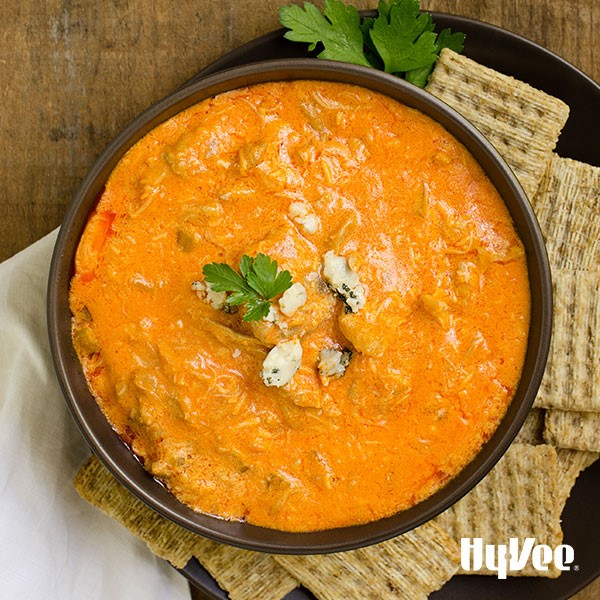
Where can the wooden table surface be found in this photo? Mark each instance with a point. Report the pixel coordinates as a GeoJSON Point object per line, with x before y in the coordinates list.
{"type": "Point", "coordinates": [74, 73]}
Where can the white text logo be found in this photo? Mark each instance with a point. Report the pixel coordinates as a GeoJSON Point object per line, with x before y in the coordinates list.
{"type": "Point", "coordinates": [502, 558]}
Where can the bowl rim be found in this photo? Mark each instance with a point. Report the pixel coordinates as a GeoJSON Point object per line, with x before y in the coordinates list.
{"type": "Point", "coordinates": [121, 461]}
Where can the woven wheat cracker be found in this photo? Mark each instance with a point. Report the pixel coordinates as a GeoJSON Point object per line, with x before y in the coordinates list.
{"type": "Point", "coordinates": [246, 575]}
{"type": "Point", "coordinates": [533, 428]}
{"type": "Point", "coordinates": [243, 574]}
{"type": "Point", "coordinates": [567, 206]}
{"type": "Point", "coordinates": [518, 498]}
{"type": "Point", "coordinates": [521, 122]}
{"type": "Point", "coordinates": [166, 539]}
{"type": "Point", "coordinates": [573, 429]}
{"type": "Point", "coordinates": [572, 377]}
{"type": "Point", "coordinates": [408, 567]}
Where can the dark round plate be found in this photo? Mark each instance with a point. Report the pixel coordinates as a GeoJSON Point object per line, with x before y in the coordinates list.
{"type": "Point", "coordinates": [521, 58]}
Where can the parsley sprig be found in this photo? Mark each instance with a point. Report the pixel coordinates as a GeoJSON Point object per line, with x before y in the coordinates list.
{"type": "Point", "coordinates": [339, 30]}
{"type": "Point", "coordinates": [259, 282]}
{"type": "Point", "coordinates": [400, 40]}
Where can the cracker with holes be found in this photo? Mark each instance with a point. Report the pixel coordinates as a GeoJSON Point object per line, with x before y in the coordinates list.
{"type": "Point", "coordinates": [518, 498]}
{"type": "Point", "coordinates": [521, 122]}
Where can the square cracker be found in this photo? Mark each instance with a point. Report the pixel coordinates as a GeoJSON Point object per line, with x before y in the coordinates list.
{"type": "Point", "coordinates": [95, 484]}
{"type": "Point", "coordinates": [409, 567]}
{"type": "Point", "coordinates": [572, 377]}
{"type": "Point", "coordinates": [243, 574]}
{"type": "Point", "coordinates": [573, 429]}
{"type": "Point", "coordinates": [532, 431]}
{"type": "Point", "coordinates": [521, 122]}
{"type": "Point", "coordinates": [570, 463]}
{"type": "Point", "coordinates": [567, 205]}
{"type": "Point", "coordinates": [246, 575]}
{"type": "Point", "coordinates": [518, 498]}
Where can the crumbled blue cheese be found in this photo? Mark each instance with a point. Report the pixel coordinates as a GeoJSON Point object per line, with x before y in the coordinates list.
{"type": "Point", "coordinates": [272, 316]}
{"type": "Point", "coordinates": [205, 292]}
{"type": "Point", "coordinates": [333, 363]}
{"type": "Point", "coordinates": [343, 280]}
{"type": "Point", "coordinates": [292, 299]}
{"type": "Point", "coordinates": [281, 363]}
{"type": "Point", "coordinates": [301, 214]}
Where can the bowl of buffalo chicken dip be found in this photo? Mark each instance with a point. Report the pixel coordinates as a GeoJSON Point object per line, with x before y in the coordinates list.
{"type": "Point", "coordinates": [300, 307]}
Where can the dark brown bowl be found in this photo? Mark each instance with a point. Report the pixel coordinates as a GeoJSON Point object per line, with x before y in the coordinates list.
{"type": "Point", "coordinates": [120, 460]}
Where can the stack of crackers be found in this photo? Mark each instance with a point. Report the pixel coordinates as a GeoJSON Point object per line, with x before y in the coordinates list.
{"type": "Point", "coordinates": [524, 495]}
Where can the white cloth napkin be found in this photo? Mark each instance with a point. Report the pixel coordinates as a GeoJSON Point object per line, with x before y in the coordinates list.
{"type": "Point", "coordinates": [53, 544]}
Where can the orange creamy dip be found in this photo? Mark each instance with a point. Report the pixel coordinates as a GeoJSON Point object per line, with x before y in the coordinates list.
{"type": "Point", "coordinates": [437, 348]}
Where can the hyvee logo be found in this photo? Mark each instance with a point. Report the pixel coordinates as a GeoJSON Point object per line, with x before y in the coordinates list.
{"type": "Point", "coordinates": [502, 558]}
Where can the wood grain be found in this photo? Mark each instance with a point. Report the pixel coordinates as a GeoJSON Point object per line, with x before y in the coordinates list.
{"type": "Point", "coordinates": [73, 73]}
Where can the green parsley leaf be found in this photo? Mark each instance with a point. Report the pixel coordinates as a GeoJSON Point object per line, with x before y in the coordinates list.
{"type": "Point", "coordinates": [256, 309]}
{"type": "Point", "coordinates": [264, 279]}
{"type": "Point", "coordinates": [401, 40]}
{"type": "Point", "coordinates": [224, 279]}
{"type": "Point", "coordinates": [453, 41]}
{"type": "Point", "coordinates": [370, 50]}
{"type": "Point", "coordinates": [257, 285]}
{"type": "Point", "coordinates": [419, 76]}
{"type": "Point", "coordinates": [246, 265]}
{"type": "Point", "coordinates": [404, 40]}
{"type": "Point", "coordinates": [337, 29]}
{"type": "Point", "coordinates": [445, 39]}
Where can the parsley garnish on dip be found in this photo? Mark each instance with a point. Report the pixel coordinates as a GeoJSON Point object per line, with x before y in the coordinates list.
{"type": "Point", "coordinates": [259, 283]}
